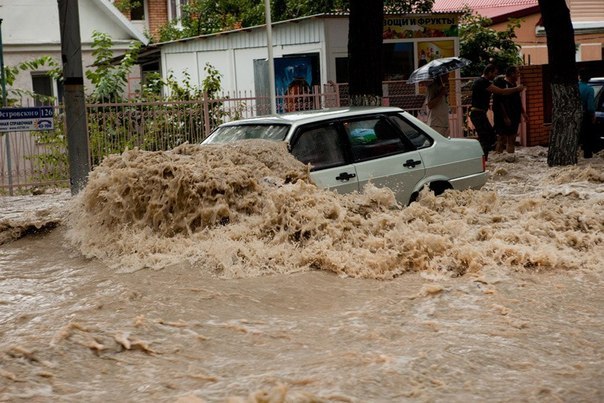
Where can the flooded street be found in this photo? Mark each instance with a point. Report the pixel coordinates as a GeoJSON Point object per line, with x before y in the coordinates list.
{"type": "Point", "coordinates": [209, 277]}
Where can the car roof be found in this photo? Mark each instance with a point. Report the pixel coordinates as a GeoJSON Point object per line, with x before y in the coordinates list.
{"type": "Point", "coordinates": [303, 117]}
{"type": "Point", "coordinates": [596, 80]}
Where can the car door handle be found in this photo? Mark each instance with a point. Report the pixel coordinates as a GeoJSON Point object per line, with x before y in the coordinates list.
{"type": "Point", "coordinates": [344, 176]}
{"type": "Point", "coordinates": [411, 163]}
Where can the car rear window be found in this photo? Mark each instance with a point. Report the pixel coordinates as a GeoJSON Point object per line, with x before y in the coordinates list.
{"type": "Point", "coordinates": [227, 134]}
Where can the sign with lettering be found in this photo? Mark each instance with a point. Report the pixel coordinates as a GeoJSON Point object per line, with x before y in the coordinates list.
{"type": "Point", "coordinates": [26, 119]}
{"type": "Point", "coordinates": [411, 26]}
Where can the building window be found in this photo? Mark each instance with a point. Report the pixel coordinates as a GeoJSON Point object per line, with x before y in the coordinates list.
{"type": "Point", "coordinates": [137, 12]}
{"type": "Point", "coordinates": [175, 7]}
{"type": "Point", "coordinates": [45, 87]}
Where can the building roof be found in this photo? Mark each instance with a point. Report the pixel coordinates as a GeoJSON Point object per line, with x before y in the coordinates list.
{"type": "Point", "coordinates": [28, 23]}
{"type": "Point", "coordinates": [285, 22]}
{"type": "Point", "coordinates": [497, 10]}
{"type": "Point", "coordinates": [108, 8]}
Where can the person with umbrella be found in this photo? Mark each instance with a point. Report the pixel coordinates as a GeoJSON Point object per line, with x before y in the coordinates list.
{"type": "Point", "coordinates": [438, 107]}
{"type": "Point", "coordinates": [482, 88]}
{"type": "Point", "coordinates": [436, 68]}
{"type": "Point", "coordinates": [436, 97]}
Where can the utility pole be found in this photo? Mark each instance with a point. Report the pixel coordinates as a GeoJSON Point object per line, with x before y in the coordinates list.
{"type": "Point", "coordinates": [271, 63]}
{"type": "Point", "coordinates": [2, 77]}
{"type": "Point", "coordinates": [7, 138]}
{"type": "Point", "coordinates": [74, 100]}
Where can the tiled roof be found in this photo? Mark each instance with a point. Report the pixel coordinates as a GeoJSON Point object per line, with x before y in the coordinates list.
{"type": "Point", "coordinates": [486, 8]}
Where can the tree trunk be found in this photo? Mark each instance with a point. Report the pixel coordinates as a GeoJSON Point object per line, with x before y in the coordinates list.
{"type": "Point", "coordinates": [566, 111]}
{"type": "Point", "coordinates": [365, 28]}
{"type": "Point", "coordinates": [566, 124]}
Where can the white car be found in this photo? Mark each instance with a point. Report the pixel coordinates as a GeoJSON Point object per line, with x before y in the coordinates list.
{"type": "Point", "coordinates": [349, 147]}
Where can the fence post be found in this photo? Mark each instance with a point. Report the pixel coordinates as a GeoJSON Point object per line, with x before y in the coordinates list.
{"type": "Point", "coordinates": [385, 95]}
{"type": "Point", "coordinates": [9, 164]}
{"type": "Point", "coordinates": [206, 114]}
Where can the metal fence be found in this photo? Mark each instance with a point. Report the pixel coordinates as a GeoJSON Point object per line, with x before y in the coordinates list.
{"type": "Point", "coordinates": [39, 159]}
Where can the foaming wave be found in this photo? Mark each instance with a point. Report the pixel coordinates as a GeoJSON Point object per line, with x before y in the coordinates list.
{"type": "Point", "coordinates": [578, 173]}
{"type": "Point", "coordinates": [250, 209]}
{"type": "Point", "coordinates": [24, 215]}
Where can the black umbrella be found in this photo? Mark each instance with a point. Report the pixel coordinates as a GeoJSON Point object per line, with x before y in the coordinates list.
{"type": "Point", "coordinates": [437, 67]}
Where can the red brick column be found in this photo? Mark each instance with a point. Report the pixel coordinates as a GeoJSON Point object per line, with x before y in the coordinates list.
{"type": "Point", "coordinates": [537, 131]}
{"type": "Point", "coordinates": [158, 16]}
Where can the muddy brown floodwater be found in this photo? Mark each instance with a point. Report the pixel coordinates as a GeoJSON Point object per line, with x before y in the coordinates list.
{"type": "Point", "coordinates": [223, 274]}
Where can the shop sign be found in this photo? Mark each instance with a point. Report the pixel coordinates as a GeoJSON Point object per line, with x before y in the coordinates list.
{"type": "Point", "coordinates": [411, 26]}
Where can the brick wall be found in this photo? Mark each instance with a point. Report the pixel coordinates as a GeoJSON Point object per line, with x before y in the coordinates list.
{"type": "Point", "coordinates": [539, 98]}
{"type": "Point", "coordinates": [157, 16]}
{"type": "Point", "coordinates": [537, 127]}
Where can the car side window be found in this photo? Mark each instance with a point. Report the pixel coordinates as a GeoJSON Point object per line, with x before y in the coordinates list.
{"type": "Point", "coordinates": [321, 147]}
{"type": "Point", "coordinates": [415, 136]}
{"type": "Point", "coordinates": [373, 138]}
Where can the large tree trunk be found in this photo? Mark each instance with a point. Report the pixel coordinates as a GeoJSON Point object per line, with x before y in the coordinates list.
{"type": "Point", "coordinates": [365, 27]}
{"type": "Point", "coordinates": [567, 114]}
{"type": "Point", "coordinates": [566, 124]}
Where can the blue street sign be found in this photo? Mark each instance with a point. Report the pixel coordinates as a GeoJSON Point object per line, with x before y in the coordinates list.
{"type": "Point", "coordinates": [26, 119]}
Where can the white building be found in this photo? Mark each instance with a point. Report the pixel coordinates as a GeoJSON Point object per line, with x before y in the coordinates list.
{"type": "Point", "coordinates": [233, 53]}
{"type": "Point", "coordinates": [318, 42]}
{"type": "Point", "coordinates": [30, 29]}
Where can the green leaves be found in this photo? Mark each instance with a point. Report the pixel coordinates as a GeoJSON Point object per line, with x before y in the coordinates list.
{"type": "Point", "coordinates": [45, 63]}
{"type": "Point", "coordinates": [110, 79]}
{"type": "Point", "coordinates": [127, 5]}
{"type": "Point", "coordinates": [408, 6]}
{"type": "Point", "coordinates": [202, 17]}
{"type": "Point", "coordinates": [483, 45]}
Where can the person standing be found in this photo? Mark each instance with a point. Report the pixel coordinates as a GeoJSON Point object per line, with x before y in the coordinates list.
{"type": "Point", "coordinates": [438, 107]}
{"type": "Point", "coordinates": [588, 103]}
{"type": "Point", "coordinates": [482, 88]}
{"type": "Point", "coordinates": [508, 112]}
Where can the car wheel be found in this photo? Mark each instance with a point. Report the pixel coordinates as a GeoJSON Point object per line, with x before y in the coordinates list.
{"type": "Point", "coordinates": [437, 188]}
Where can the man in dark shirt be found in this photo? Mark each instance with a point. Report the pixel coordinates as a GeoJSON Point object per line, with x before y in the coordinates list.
{"type": "Point", "coordinates": [482, 89]}
{"type": "Point", "coordinates": [508, 111]}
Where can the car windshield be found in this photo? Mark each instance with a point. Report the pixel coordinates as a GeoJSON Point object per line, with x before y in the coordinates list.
{"type": "Point", "coordinates": [597, 87]}
{"type": "Point", "coordinates": [227, 134]}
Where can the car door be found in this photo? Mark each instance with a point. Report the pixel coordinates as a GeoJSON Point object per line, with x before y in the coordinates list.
{"type": "Point", "coordinates": [384, 156]}
{"type": "Point", "coordinates": [325, 148]}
